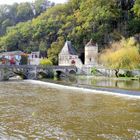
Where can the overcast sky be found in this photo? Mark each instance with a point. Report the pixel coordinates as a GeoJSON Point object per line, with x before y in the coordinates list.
{"type": "Point", "coordinates": [12, 1]}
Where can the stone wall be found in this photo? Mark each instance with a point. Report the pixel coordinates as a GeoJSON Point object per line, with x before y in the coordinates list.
{"type": "Point", "coordinates": [102, 71]}
{"type": "Point", "coordinates": [66, 60]}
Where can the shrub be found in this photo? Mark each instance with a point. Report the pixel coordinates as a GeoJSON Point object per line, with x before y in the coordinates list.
{"type": "Point", "coordinates": [122, 55]}
{"type": "Point", "coordinates": [94, 71]}
{"type": "Point", "coordinates": [24, 60]}
{"type": "Point", "coordinates": [46, 62]}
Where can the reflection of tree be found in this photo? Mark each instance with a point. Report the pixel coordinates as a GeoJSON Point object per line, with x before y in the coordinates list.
{"type": "Point", "coordinates": [116, 83]}
{"type": "Point", "coordinates": [110, 83]}
{"type": "Point", "coordinates": [94, 82]}
{"type": "Point", "coordinates": [128, 83]}
{"type": "Point", "coordinates": [73, 79]}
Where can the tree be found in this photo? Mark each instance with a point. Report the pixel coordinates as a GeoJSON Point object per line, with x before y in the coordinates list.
{"type": "Point", "coordinates": [104, 20]}
{"type": "Point", "coordinates": [42, 5]}
{"type": "Point", "coordinates": [136, 8]}
{"type": "Point", "coordinates": [24, 12]}
{"type": "Point", "coordinates": [122, 55]}
{"type": "Point", "coordinates": [55, 49]}
{"type": "Point", "coordinates": [10, 15]}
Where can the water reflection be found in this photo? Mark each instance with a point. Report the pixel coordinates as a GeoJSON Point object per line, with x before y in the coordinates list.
{"type": "Point", "coordinates": [39, 112]}
{"type": "Point", "coordinates": [102, 82]}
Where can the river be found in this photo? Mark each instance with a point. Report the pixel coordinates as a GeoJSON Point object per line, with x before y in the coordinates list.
{"type": "Point", "coordinates": [32, 110]}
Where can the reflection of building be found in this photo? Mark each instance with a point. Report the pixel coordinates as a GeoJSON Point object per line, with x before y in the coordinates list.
{"type": "Point", "coordinates": [13, 57]}
{"type": "Point", "coordinates": [68, 56]}
{"type": "Point", "coordinates": [91, 53]}
{"type": "Point", "coordinates": [34, 58]}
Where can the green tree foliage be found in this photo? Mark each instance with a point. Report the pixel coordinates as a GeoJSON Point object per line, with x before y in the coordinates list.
{"type": "Point", "coordinates": [122, 55]}
{"type": "Point", "coordinates": [24, 60]}
{"type": "Point", "coordinates": [41, 5]}
{"type": "Point", "coordinates": [24, 12]}
{"type": "Point", "coordinates": [136, 8]}
{"type": "Point", "coordinates": [104, 21]}
{"type": "Point", "coordinates": [10, 15]}
{"type": "Point", "coordinates": [134, 23]}
{"type": "Point", "coordinates": [54, 50]}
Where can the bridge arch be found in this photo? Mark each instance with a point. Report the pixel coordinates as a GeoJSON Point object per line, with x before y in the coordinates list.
{"type": "Point", "coordinates": [32, 72]}
{"type": "Point", "coordinates": [42, 74]}
{"type": "Point", "coordinates": [22, 75]}
{"type": "Point", "coordinates": [59, 73]}
{"type": "Point", "coordinates": [73, 72]}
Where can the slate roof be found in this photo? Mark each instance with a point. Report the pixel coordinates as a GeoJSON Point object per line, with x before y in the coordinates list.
{"type": "Point", "coordinates": [68, 49]}
{"type": "Point", "coordinates": [91, 43]}
{"type": "Point", "coordinates": [11, 53]}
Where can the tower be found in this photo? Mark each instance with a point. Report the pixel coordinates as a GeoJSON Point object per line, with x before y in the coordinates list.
{"type": "Point", "coordinates": [91, 53]}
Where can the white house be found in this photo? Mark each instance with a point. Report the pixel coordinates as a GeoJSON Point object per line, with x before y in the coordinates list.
{"type": "Point", "coordinates": [34, 58]}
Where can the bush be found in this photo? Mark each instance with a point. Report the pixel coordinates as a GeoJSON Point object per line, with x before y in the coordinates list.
{"type": "Point", "coordinates": [46, 62]}
{"type": "Point", "coordinates": [128, 74]}
{"type": "Point", "coordinates": [94, 71]}
{"type": "Point", "coordinates": [24, 60]}
{"type": "Point", "coordinates": [122, 55]}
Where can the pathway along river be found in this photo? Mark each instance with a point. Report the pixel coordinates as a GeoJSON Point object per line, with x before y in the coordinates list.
{"type": "Point", "coordinates": [36, 111]}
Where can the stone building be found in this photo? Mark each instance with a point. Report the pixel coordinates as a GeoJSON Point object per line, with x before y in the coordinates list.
{"type": "Point", "coordinates": [91, 54]}
{"type": "Point", "coordinates": [68, 56]}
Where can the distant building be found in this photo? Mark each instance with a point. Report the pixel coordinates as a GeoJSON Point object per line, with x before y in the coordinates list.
{"type": "Point", "coordinates": [34, 58]}
{"type": "Point", "coordinates": [11, 58]}
{"type": "Point", "coordinates": [91, 54]}
{"type": "Point", "coordinates": [68, 56]}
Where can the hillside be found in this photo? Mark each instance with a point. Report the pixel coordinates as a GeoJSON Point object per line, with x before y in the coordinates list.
{"type": "Point", "coordinates": [103, 21]}
{"type": "Point", "coordinates": [10, 15]}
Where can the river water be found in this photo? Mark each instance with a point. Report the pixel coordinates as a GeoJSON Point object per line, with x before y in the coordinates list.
{"type": "Point", "coordinates": [41, 111]}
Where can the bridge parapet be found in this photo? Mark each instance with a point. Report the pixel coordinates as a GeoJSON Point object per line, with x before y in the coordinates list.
{"type": "Point", "coordinates": [31, 71]}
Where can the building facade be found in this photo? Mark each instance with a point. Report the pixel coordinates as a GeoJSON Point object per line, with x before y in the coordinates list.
{"type": "Point", "coordinates": [11, 58]}
{"type": "Point", "coordinates": [68, 56]}
{"type": "Point", "coordinates": [20, 58]}
{"type": "Point", "coordinates": [91, 54]}
{"type": "Point", "coordinates": [34, 58]}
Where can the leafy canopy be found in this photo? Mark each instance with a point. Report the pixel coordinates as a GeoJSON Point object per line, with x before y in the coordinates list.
{"type": "Point", "coordinates": [122, 55]}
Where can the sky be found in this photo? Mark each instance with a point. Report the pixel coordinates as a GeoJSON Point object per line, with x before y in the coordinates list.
{"type": "Point", "coordinates": [12, 1]}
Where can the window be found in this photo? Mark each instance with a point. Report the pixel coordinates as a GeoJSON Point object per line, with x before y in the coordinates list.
{"type": "Point", "coordinates": [72, 62]}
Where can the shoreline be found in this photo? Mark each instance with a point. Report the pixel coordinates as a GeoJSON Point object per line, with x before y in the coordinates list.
{"type": "Point", "coordinates": [94, 90]}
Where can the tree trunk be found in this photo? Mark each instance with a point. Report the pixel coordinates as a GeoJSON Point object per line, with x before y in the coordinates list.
{"type": "Point", "coordinates": [116, 73]}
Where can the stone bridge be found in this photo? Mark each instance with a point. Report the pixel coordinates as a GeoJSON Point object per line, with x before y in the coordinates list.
{"type": "Point", "coordinates": [34, 72]}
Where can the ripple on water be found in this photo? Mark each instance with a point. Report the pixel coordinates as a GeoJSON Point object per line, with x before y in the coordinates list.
{"type": "Point", "coordinates": [110, 137]}
{"type": "Point", "coordinates": [32, 111]}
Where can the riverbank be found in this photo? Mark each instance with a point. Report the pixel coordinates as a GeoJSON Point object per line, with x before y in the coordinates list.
{"type": "Point", "coordinates": [112, 78]}
{"type": "Point", "coordinates": [87, 89]}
